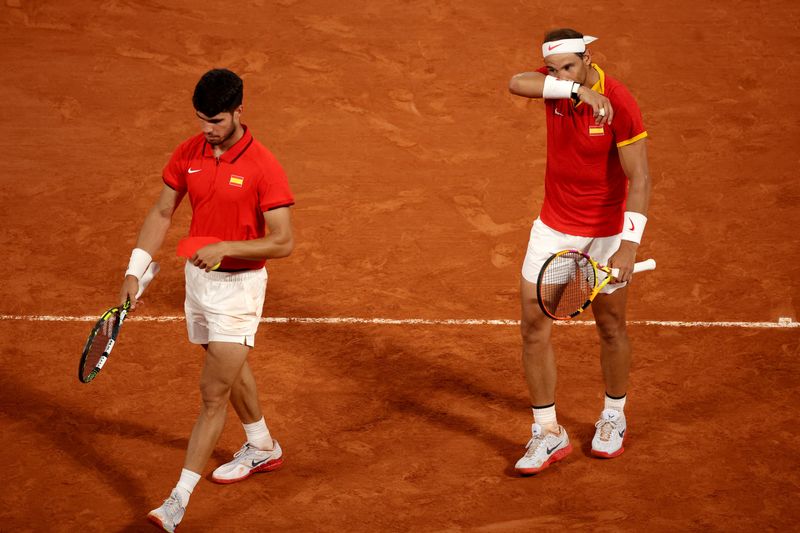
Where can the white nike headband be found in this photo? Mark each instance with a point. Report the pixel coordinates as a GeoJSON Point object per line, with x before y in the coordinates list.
{"type": "Point", "coordinates": [567, 46]}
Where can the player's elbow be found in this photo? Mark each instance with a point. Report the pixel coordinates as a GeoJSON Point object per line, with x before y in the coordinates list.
{"type": "Point", "coordinates": [286, 247]}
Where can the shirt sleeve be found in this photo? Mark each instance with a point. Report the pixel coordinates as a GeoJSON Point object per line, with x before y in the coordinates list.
{"type": "Point", "coordinates": [174, 173]}
{"type": "Point", "coordinates": [627, 126]}
{"type": "Point", "coordinates": [273, 188]}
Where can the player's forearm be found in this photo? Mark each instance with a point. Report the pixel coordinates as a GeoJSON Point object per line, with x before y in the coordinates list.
{"type": "Point", "coordinates": [273, 246]}
{"type": "Point", "coordinates": [528, 84]}
{"type": "Point", "coordinates": [633, 158]}
{"type": "Point", "coordinates": [154, 230]}
{"type": "Point", "coordinates": [638, 194]}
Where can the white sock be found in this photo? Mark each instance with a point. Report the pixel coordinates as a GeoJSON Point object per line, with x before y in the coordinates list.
{"type": "Point", "coordinates": [615, 403]}
{"type": "Point", "coordinates": [545, 416]}
{"type": "Point", "coordinates": [186, 485]}
{"type": "Point", "coordinates": [258, 434]}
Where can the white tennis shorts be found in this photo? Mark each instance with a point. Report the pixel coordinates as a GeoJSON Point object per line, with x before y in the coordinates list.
{"type": "Point", "coordinates": [545, 241]}
{"type": "Point", "coordinates": [224, 306]}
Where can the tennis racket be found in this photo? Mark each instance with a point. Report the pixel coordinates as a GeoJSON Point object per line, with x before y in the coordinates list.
{"type": "Point", "coordinates": [570, 280]}
{"type": "Point", "coordinates": [105, 332]}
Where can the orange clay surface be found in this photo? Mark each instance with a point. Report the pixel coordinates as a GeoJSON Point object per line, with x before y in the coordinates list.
{"type": "Point", "coordinates": [417, 177]}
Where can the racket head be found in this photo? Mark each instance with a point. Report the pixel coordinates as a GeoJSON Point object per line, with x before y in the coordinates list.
{"type": "Point", "coordinates": [100, 342]}
{"type": "Point", "coordinates": [565, 284]}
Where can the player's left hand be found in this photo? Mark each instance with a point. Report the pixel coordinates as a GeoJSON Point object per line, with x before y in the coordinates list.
{"type": "Point", "coordinates": [623, 259]}
{"type": "Point", "coordinates": [209, 257]}
{"type": "Point", "coordinates": [600, 104]}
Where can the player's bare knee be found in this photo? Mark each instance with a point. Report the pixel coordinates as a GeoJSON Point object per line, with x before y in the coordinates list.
{"type": "Point", "coordinates": [612, 330]}
{"type": "Point", "coordinates": [214, 395]}
{"type": "Point", "coordinates": [535, 327]}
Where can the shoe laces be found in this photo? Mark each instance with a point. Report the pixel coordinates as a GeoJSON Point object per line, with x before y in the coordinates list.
{"type": "Point", "coordinates": [243, 450]}
{"type": "Point", "coordinates": [248, 451]}
{"type": "Point", "coordinates": [537, 438]}
{"type": "Point", "coordinates": [607, 423]}
{"type": "Point", "coordinates": [173, 506]}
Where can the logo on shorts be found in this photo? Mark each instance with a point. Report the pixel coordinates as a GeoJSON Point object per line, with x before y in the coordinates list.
{"type": "Point", "coordinates": [236, 181]}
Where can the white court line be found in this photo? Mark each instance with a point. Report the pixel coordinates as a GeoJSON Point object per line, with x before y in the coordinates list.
{"type": "Point", "coordinates": [781, 323]}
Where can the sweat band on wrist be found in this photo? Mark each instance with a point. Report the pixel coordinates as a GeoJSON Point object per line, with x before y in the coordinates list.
{"type": "Point", "coordinates": [555, 88]}
{"type": "Point", "coordinates": [139, 262]}
{"type": "Point", "coordinates": [633, 227]}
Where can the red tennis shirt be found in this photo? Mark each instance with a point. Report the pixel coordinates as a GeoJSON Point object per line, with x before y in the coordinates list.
{"type": "Point", "coordinates": [585, 186]}
{"type": "Point", "coordinates": [229, 195]}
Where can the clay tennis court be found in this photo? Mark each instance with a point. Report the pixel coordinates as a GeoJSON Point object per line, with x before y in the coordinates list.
{"type": "Point", "coordinates": [417, 177]}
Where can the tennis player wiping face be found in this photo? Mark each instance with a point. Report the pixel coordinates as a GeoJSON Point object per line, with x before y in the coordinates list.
{"type": "Point", "coordinates": [596, 178]}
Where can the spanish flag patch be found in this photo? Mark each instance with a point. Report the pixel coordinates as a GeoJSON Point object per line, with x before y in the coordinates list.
{"type": "Point", "coordinates": [236, 181]}
{"type": "Point", "coordinates": [596, 130]}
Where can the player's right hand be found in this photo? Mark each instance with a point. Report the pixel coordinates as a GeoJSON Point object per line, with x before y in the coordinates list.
{"type": "Point", "coordinates": [130, 286]}
{"type": "Point", "coordinates": [603, 111]}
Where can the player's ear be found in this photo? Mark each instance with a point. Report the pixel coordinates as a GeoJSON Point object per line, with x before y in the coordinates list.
{"type": "Point", "coordinates": [237, 112]}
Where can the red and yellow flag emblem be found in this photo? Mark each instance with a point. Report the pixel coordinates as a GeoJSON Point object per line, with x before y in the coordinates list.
{"type": "Point", "coordinates": [236, 181]}
{"type": "Point", "coordinates": [596, 130]}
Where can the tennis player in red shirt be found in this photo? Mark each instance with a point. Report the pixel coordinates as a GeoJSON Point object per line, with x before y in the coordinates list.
{"type": "Point", "coordinates": [240, 195]}
{"type": "Point", "coordinates": [597, 190]}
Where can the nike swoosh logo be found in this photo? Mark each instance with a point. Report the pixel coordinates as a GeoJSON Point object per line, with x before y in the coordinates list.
{"type": "Point", "coordinates": [256, 463]}
{"type": "Point", "coordinates": [622, 433]}
{"type": "Point", "coordinates": [192, 170]}
{"type": "Point", "coordinates": [551, 450]}
{"type": "Point", "coordinates": [632, 226]}
{"type": "Point", "coordinates": [560, 114]}
{"type": "Point", "coordinates": [553, 47]}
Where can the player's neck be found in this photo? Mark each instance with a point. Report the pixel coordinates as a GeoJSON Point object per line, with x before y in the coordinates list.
{"type": "Point", "coordinates": [223, 147]}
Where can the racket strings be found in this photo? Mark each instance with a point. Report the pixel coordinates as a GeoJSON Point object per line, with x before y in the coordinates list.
{"type": "Point", "coordinates": [566, 284]}
{"type": "Point", "coordinates": [98, 345]}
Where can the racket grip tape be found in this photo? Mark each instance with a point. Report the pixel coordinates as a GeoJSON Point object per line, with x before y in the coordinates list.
{"type": "Point", "coordinates": [641, 266]}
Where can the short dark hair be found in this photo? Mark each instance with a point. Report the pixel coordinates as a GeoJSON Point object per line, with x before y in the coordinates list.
{"type": "Point", "coordinates": [563, 33]}
{"type": "Point", "coordinates": [218, 91]}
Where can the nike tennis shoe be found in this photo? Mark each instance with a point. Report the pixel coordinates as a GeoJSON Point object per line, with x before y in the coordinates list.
{"type": "Point", "coordinates": [610, 434]}
{"type": "Point", "coordinates": [544, 449]}
{"type": "Point", "coordinates": [170, 514]}
{"type": "Point", "coordinates": [247, 461]}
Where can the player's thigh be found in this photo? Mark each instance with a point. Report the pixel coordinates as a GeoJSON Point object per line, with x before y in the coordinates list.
{"type": "Point", "coordinates": [223, 365]}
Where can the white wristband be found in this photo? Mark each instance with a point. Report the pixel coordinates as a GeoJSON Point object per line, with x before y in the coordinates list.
{"type": "Point", "coordinates": [555, 88]}
{"type": "Point", "coordinates": [139, 262]}
{"type": "Point", "coordinates": [633, 226]}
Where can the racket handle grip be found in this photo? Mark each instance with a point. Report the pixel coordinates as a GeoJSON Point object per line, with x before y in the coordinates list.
{"type": "Point", "coordinates": [644, 266]}
{"type": "Point", "coordinates": [641, 266]}
{"type": "Point", "coordinates": [147, 277]}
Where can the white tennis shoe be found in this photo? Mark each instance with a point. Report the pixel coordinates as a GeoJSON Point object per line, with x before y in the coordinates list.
{"type": "Point", "coordinates": [544, 449]}
{"type": "Point", "coordinates": [170, 514]}
{"type": "Point", "coordinates": [610, 434]}
{"type": "Point", "coordinates": [247, 461]}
